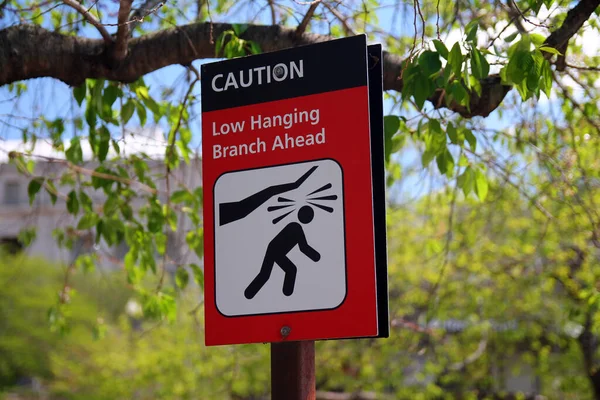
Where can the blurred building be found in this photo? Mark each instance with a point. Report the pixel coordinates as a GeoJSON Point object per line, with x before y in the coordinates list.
{"type": "Point", "coordinates": [17, 214]}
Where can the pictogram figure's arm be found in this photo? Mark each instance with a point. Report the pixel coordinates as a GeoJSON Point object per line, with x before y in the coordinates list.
{"type": "Point", "coordinates": [307, 249]}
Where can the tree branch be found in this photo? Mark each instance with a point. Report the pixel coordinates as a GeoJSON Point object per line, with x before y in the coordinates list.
{"type": "Point", "coordinates": [304, 23]}
{"type": "Point", "coordinates": [147, 8]}
{"type": "Point", "coordinates": [347, 29]}
{"type": "Point", "coordinates": [575, 19]}
{"type": "Point", "coordinates": [273, 13]}
{"type": "Point", "coordinates": [90, 18]}
{"type": "Point", "coordinates": [120, 47]}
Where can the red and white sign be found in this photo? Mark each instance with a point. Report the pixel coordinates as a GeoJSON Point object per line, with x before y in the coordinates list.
{"type": "Point", "coordinates": [288, 204]}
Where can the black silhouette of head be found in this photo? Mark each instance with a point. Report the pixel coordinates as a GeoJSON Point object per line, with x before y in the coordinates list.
{"type": "Point", "coordinates": [305, 214]}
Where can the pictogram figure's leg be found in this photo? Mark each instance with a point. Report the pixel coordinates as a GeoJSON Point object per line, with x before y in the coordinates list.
{"type": "Point", "coordinates": [262, 278]}
{"type": "Point", "coordinates": [290, 275]}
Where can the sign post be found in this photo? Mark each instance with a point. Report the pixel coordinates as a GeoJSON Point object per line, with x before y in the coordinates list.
{"type": "Point", "coordinates": [294, 203]}
{"type": "Point", "coordinates": [293, 370]}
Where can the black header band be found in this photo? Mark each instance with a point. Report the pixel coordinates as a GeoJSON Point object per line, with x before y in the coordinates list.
{"type": "Point", "coordinates": [301, 71]}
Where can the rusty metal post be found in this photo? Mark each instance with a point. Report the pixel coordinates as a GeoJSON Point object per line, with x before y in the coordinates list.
{"type": "Point", "coordinates": [293, 371]}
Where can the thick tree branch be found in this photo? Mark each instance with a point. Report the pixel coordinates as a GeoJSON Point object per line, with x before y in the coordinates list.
{"type": "Point", "coordinates": [120, 46]}
{"type": "Point", "coordinates": [30, 51]}
{"type": "Point", "coordinates": [90, 18]}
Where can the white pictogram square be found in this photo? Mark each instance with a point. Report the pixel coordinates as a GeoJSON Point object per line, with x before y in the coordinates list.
{"type": "Point", "coordinates": [280, 239]}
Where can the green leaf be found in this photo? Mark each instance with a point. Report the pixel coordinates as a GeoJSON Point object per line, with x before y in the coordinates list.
{"type": "Point", "coordinates": [56, 17]}
{"type": "Point", "coordinates": [239, 29]}
{"type": "Point", "coordinates": [470, 138]}
{"type": "Point", "coordinates": [85, 201]}
{"type": "Point", "coordinates": [85, 262]}
{"type": "Point", "coordinates": [34, 187]}
{"type": "Point", "coordinates": [27, 236]}
{"type": "Point", "coordinates": [159, 306]}
{"type": "Point", "coordinates": [171, 217]}
{"type": "Point", "coordinates": [471, 29]}
{"type": "Point", "coordinates": [130, 259]}
{"type": "Point", "coordinates": [182, 196]}
{"type": "Point", "coordinates": [455, 59]}
{"type": "Point", "coordinates": [112, 230]}
{"type": "Point", "coordinates": [74, 153]}
{"type": "Point", "coordinates": [430, 63]}
{"type": "Point", "coordinates": [127, 111]}
{"type": "Point", "coordinates": [427, 157]}
{"type": "Point", "coordinates": [111, 205]}
{"type": "Point", "coordinates": [116, 146]}
{"type": "Point", "coordinates": [72, 203]}
{"type": "Point", "coordinates": [155, 219]}
{"type": "Point", "coordinates": [481, 185]}
{"type": "Point", "coordinates": [511, 37]}
{"type": "Point", "coordinates": [550, 50]}
{"type": "Point", "coordinates": [435, 126]}
{"type": "Point", "coordinates": [79, 93]}
{"type": "Point", "coordinates": [452, 133]}
{"type": "Point", "coordinates": [195, 239]}
{"type": "Point", "coordinates": [90, 116]}
{"type": "Point", "coordinates": [441, 48]}
{"type": "Point", "coordinates": [96, 95]}
{"type": "Point", "coordinates": [424, 87]}
{"type": "Point", "coordinates": [89, 220]}
{"type": "Point", "coordinates": [142, 92]}
{"type": "Point", "coordinates": [199, 194]}
{"type": "Point", "coordinates": [30, 165]}
{"type": "Point", "coordinates": [182, 278]}
{"type": "Point", "coordinates": [141, 112]}
{"type": "Point", "coordinates": [219, 43]}
{"type": "Point", "coordinates": [103, 144]}
{"type": "Point", "coordinates": [537, 39]}
{"type": "Point", "coordinates": [479, 65]}
{"type": "Point", "coordinates": [546, 80]}
{"type": "Point", "coordinates": [465, 181]}
{"type": "Point", "coordinates": [186, 135]}
{"type": "Point", "coordinates": [435, 142]}
{"type": "Point", "coordinates": [198, 275]}
{"type": "Point", "coordinates": [458, 93]}
{"type": "Point", "coordinates": [445, 162]}
{"type": "Point", "coordinates": [51, 189]}
{"type": "Point", "coordinates": [111, 92]}
{"type": "Point", "coordinates": [161, 242]}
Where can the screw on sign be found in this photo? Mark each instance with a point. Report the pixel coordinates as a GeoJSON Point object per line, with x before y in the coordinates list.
{"type": "Point", "coordinates": [294, 203]}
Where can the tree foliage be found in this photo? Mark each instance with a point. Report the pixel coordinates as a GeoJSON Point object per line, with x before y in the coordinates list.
{"type": "Point", "coordinates": [492, 140]}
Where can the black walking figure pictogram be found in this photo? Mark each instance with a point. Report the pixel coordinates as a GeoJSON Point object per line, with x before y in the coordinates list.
{"type": "Point", "coordinates": [277, 251]}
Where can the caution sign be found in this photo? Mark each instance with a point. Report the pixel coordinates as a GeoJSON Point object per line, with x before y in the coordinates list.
{"type": "Point", "coordinates": [291, 197]}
